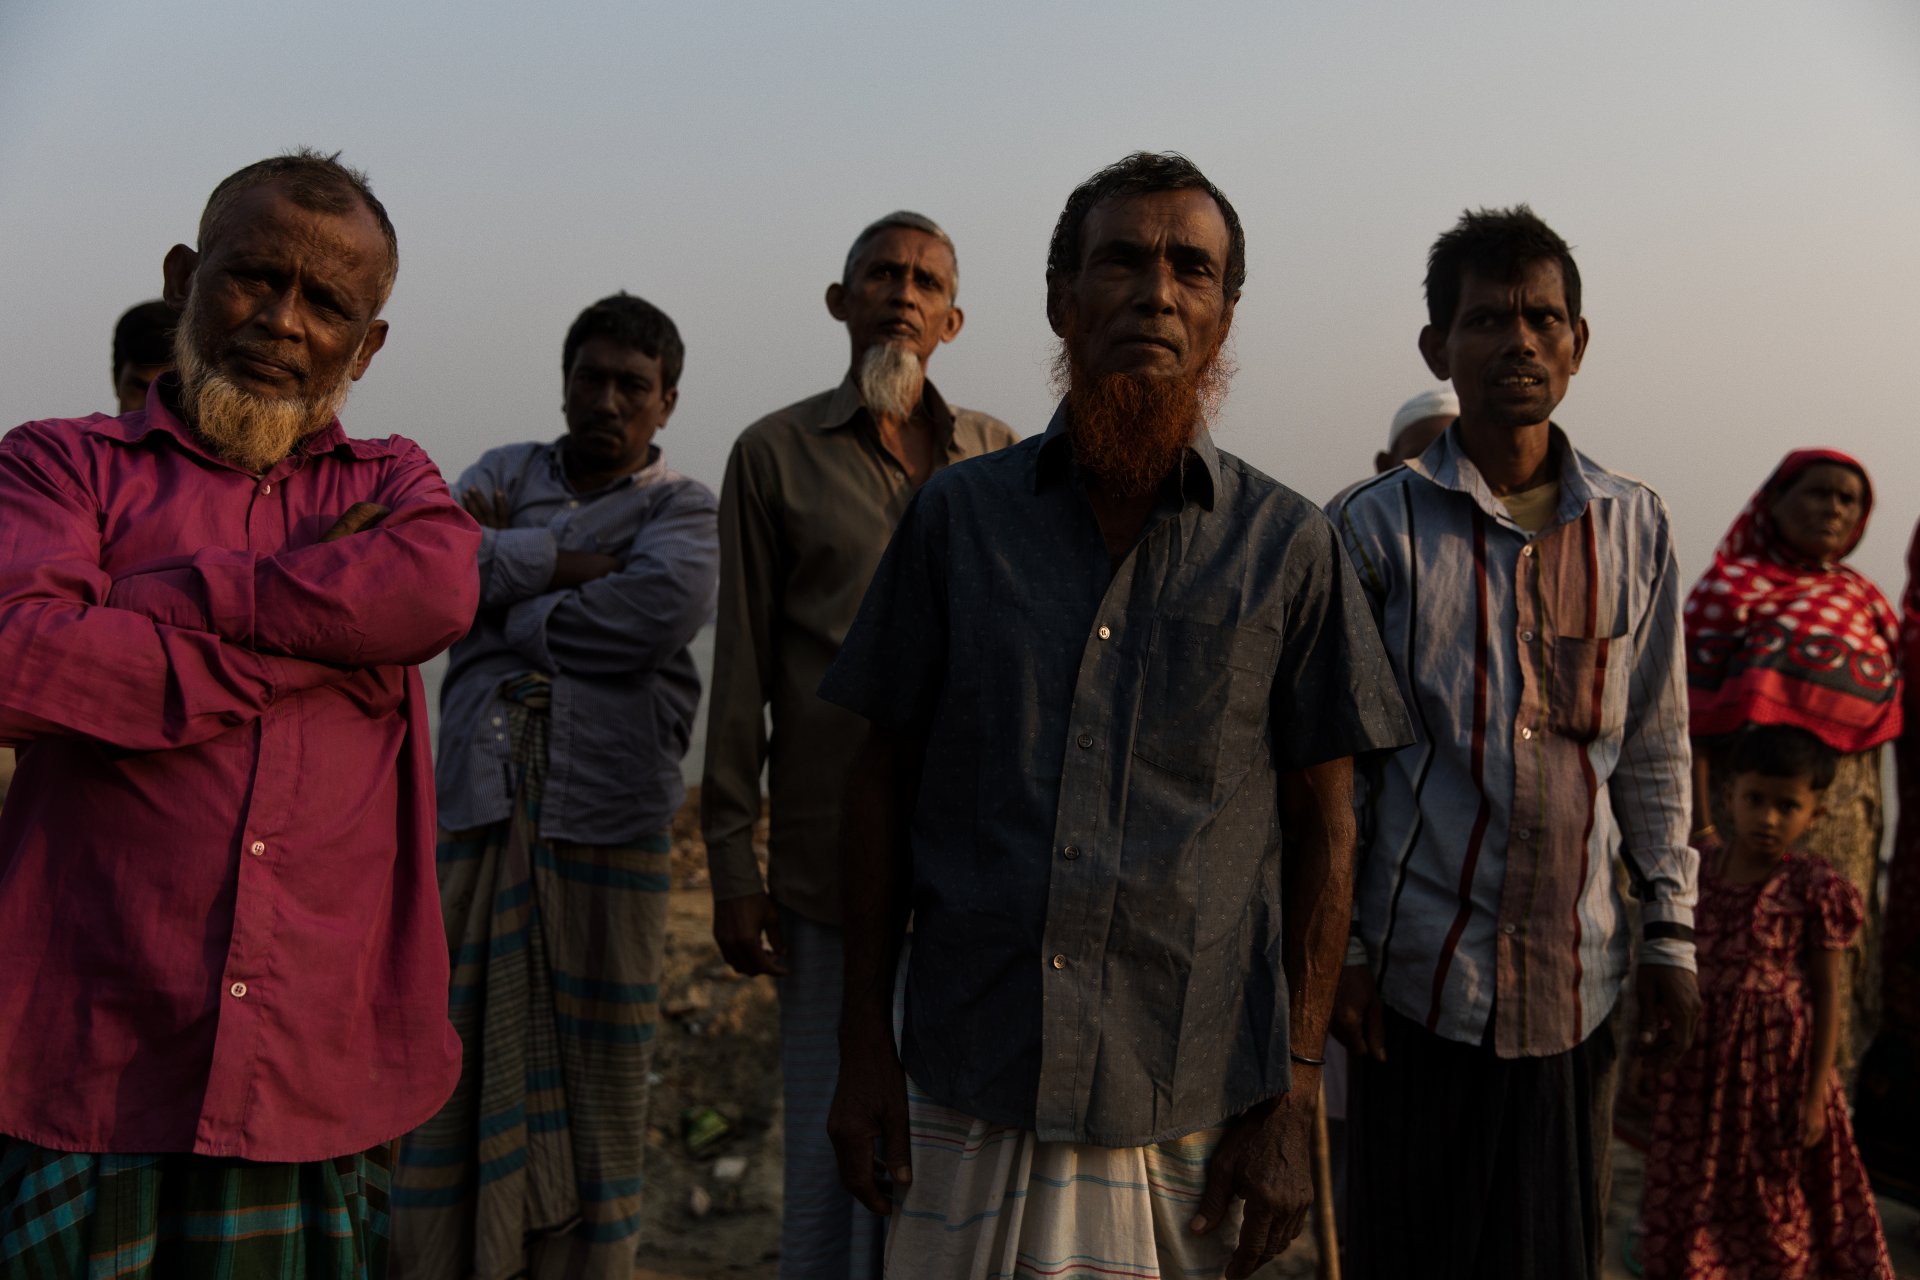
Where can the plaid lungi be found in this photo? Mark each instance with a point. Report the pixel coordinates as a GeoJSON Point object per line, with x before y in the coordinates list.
{"type": "Point", "coordinates": [69, 1216]}
{"type": "Point", "coordinates": [533, 1167]}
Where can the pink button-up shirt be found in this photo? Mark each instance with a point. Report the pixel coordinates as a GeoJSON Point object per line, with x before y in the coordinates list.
{"type": "Point", "coordinates": [219, 925]}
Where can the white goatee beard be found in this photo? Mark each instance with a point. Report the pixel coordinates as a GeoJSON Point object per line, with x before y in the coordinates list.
{"type": "Point", "coordinates": [251, 430]}
{"type": "Point", "coordinates": [890, 381]}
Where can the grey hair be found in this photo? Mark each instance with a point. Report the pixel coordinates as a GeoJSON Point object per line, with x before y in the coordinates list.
{"type": "Point", "coordinates": [911, 221]}
{"type": "Point", "coordinates": [315, 181]}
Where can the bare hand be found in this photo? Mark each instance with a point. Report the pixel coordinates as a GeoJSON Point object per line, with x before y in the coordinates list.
{"type": "Point", "coordinates": [489, 511]}
{"type": "Point", "coordinates": [1669, 999]}
{"type": "Point", "coordinates": [361, 515]}
{"type": "Point", "coordinates": [738, 926]}
{"type": "Point", "coordinates": [870, 1106]}
{"type": "Point", "coordinates": [1814, 1119]}
{"type": "Point", "coordinates": [1264, 1159]}
{"type": "Point", "coordinates": [1359, 1019]}
{"type": "Point", "coordinates": [577, 568]}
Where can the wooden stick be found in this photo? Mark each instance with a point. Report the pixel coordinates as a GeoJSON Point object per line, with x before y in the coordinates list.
{"type": "Point", "coordinates": [1324, 1233]}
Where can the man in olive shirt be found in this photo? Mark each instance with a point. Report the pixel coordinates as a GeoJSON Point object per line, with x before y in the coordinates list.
{"type": "Point", "coordinates": [812, 494]}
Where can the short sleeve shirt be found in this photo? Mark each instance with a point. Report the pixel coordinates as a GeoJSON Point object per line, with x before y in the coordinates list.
{"type": "Point", "coordinates": [1096, 844]}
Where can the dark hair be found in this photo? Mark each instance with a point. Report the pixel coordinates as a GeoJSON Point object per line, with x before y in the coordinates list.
{"type": "Point", "coordinates": [1782, 751]}
{"type": "Point", "coordinates": [1498, 244]}
{"type": "Point", "coordinates": [908, 220]}
{"type": "Point", "coordinates": [634, 322]}
{"type": "Point", "coordinates": [144, 335]}
{"type": "Point", "coordinates": [1142, 173]}
{"type": "Point", "coordinates": [315, 181]}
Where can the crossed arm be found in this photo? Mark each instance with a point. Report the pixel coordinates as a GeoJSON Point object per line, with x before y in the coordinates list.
{"type": "Point", "coordinates": [195, 648]}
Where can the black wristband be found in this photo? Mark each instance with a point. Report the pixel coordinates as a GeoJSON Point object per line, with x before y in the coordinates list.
{"type": "Point", "coordinates": [1305, 1061]}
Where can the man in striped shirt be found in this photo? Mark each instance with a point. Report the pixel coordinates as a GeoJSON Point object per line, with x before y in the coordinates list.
{"type": "Point", "coordinates": [1528, 600]}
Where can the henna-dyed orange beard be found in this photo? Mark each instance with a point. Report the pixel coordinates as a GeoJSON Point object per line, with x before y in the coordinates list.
{"type": "Point", "coordinates": [1131, 431]}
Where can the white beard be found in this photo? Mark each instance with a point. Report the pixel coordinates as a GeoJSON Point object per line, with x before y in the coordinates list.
{"type": "Point", "coordinates": [252, 430]}
{"type": "Point", "coordinates": [891, 379]}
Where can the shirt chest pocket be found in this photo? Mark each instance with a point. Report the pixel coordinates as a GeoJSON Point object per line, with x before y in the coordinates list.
{"type": "Point", "coordinates": [1203, 704]}
{"type": "Point", "coordinates": [1587, 686]}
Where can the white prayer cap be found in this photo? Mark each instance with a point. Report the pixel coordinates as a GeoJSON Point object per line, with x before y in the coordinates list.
{"type": "Point", "coordinates": [1438, 403]}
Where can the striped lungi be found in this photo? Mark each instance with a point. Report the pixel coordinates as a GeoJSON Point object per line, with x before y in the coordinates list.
{"type": "Point", "coordinates": [988, 1202]}
{"type": "Point", "coordinates": [67, 1216]}
{"type": "Point", "coordinates": [534, 1165]}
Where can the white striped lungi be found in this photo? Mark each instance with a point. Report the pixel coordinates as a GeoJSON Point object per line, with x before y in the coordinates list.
{"type": "Point", "coordinates": [988, 1202]}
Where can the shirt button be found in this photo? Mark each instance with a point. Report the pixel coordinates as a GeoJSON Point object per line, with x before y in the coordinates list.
{"type": "Point", "coordinates": [1526, 733]}
{"type": "Point", "coordinates": [1085, 740]}
{"type": "Point", "coordinates": [238, 990]}
{"type": "Point", "coordinates": [1526, 637]}
{"type": "Point", "coordinates": [1509, 929]}
{"type": "Point", "coordinates": [1059, 962]}
{"type": "Point", "coordinates": [266, 488]}
{"type": "Point", "coordinates": [257, 848]}
{"type": "Point", "coordinates": [1105, 633]}
{"type": "Point", "coordinates": [1527, 550]}
{"type": "Point", "coordinates": [1071, 852]}
{"type": "Point", "coordinates": [496, 722]}
{"type": "Point", "coordinates": [1523, 834]}
{"type": "Point", "coordinates": [574, 503]}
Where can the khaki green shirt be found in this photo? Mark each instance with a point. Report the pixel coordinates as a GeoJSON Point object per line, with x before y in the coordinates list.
{"type": "Point", "coordinates": [809, 503]}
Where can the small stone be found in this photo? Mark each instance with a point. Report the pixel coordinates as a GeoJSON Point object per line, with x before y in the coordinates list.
{"type": "Point", "coordinates": [729, 1168]}
{"type": "Point", "coordinates": [699, 1203]}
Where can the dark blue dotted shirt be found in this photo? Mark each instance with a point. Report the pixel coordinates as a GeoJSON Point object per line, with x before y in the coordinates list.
{"type": "Point", "coordinates": [1096, 847]}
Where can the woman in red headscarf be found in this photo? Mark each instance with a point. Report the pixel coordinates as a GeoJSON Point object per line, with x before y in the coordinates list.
{"type": "Point", "coordinates": [1779, 631]}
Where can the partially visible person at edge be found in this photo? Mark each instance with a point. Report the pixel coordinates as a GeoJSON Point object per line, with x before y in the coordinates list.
{"type": "Point", "coordinates": [142, 351]}
{"type": "Point", "coordinates": [812, 494]}
{"type": "Point", "coordinates": [221, 971]}
{"type": "Point", "coordinates": [1529, 600]}
{"type": "Point", "coordinates": [1887, 1100]}
{"type": "Point", "coordinates": [1415, 425]}
{"type": "Point", "coordinates": [1116, 679]}
{"type": "Point", "coordinates": [1780, 631]}
{"type": "Point", "coordinates": [564, 717]}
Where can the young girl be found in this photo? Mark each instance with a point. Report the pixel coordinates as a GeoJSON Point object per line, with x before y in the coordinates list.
{"type": "Point", "coordinates": [1752, 1173]}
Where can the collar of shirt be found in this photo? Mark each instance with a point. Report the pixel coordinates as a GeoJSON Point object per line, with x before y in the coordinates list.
{"type": "Point", "coordinates": [1198, 484]}
{"type": "Point", "coordinates": [846, 407]}
{"type": "Point", "coordinates": [1446, 464]}
{"type": "Point", "coordinates": [656, 466]}
{"type": "Point", "coordinates": [160, 418]}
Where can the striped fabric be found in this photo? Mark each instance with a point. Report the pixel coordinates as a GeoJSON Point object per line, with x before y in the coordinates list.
{"type": "Point", "coordinates": [68, 1216]}
{"type": "Point", "coordinates": [534, 1165]}
{"type": "Point", "coordinates": [1545, 677]}
{"type": "Point", "coordinates": [988, 1202]}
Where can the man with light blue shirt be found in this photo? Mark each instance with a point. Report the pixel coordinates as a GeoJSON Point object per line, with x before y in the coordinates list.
{"type": "Point", "coordinates": [1529, 603]}
{"type": "Point", "coordinates": [564, 717]}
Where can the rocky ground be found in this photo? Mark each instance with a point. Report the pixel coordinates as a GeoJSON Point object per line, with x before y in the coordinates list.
{"type": "Point", "coordinates": [715, 1212]}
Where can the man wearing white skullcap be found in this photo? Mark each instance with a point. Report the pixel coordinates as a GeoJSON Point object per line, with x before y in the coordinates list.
{"type": "Point", "coordinates": [1417, 424]}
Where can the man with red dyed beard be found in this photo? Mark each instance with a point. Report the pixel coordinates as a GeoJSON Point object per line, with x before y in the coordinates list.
{"type": "Point", "coordinates": [1116, 679]}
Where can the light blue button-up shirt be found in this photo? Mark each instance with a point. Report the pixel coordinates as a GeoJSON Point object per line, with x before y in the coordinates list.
{"type": "Point", "coordinates": [624, 685]}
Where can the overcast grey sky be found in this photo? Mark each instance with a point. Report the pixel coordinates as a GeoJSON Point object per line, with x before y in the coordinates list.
{"type": "Point", "coordinates": [1741, 183]}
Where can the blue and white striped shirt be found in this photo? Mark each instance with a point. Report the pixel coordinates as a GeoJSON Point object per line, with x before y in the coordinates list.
{"type": "Point", "coordinates": [1545, 677]}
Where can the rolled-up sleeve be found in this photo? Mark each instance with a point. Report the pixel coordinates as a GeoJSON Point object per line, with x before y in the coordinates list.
{"type": "Point", "coordinates": [1334, 694]}
{"type": "Point", "coordinates": [1650, 784]}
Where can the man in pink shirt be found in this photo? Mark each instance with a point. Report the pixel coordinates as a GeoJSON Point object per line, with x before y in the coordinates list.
{"type": "Point", "coordinates": [222, 968]}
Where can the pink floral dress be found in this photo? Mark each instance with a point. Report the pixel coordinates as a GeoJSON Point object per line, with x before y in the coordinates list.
{"type": "Point", "coordinates": [1732, 1194]}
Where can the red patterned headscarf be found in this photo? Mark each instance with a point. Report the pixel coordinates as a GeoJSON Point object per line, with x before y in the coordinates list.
{"type": "Point", "coordinates": [1776, 638]}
